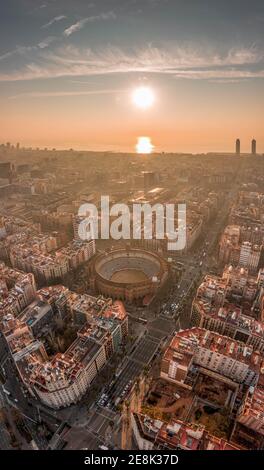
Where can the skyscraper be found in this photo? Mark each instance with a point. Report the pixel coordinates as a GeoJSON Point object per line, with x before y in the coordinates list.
{"type": "Point", "coordinates": [253, 147]}
{"type": "Point", "coordinates": [238, 146]}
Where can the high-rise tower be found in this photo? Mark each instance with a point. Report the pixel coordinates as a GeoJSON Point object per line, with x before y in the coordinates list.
{"type": "Point", "coordinates": [253, 147]}
{"type": "Point", "coordinates": [238, 146]}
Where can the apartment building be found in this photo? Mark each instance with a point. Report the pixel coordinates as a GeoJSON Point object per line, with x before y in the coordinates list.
{"type": "Point", "coordinates": [194, 350]}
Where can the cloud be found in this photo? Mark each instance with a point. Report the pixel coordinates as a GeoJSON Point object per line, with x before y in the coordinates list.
{"type": "Point", "coordinates": [228, 80]}
{"type": "Point", "coordinates": [54, 94]}
{"type": "Point", "coordinates": [22, 50]}
{"type": "Point", "coordinates": [75, 27]}
{"type": "Point", "coordinates": [25, 50]}
{"type": "Point", "coordinates": [187, 62]}
{"type": "Point", "coordinates": [230, 75]}
{"type": "Point", "coordinates": [90, 19]}
{"type": "Point", "coordinates": [8, 54]}
{"type": "Point", "coordinates": [46, 42]}
{"type": "Point", "coordinates": [54, 20]}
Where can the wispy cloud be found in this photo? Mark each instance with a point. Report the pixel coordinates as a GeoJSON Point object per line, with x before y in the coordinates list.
{"type": "Point", "coordinates": [219, 75]}
{"type": "Point", "coordinates": [8, 54]}
{"type": "Point", "coordinates": [25, 50]}
{"type": "Point", "coordinates": [228, 80]}
{"type": "Point", "coordinates": [110, 15]}
{"type": "Point", "coordinates": [56, 19]}
{"type": "Point", "coordinates": [54, 94]}
{"type": "Point", "coordinates": [21, 50]}
{"type": "Point", "coordinates": [46, 42]}
{"type": "Point", "coordinates": [75, 27]}
{"type": "Point", "coordinates": [181, 62]}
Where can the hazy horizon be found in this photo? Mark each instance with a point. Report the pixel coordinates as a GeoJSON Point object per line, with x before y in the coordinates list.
{"type": "Point", "coordinates": [90, 149]}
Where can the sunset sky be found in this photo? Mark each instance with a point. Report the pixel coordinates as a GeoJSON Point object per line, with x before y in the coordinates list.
{"type": "Point", "coordinates": [68, 69]}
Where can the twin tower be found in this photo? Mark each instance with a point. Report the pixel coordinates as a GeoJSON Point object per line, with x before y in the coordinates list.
{"type": "Point", "coordinates": [253, 147]}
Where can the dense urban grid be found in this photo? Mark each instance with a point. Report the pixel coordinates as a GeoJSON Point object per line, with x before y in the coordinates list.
{"type": "Point", "coordinates": [124, 344]}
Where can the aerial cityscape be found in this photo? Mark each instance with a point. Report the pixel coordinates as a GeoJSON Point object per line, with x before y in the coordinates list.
{"type": "Point", "coordinates": [131, 226]}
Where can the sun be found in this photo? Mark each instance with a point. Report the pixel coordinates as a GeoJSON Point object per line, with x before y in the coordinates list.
{"type": "Point", "coordinates": [143, 97]}
{"type": "Point", "coordinates": [144, 145]}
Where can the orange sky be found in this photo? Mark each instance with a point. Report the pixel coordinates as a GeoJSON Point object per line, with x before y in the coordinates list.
{"type": "Point", "coordinates": [185, 117]}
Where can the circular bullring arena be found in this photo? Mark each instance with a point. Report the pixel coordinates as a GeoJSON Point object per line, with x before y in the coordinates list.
{"type": "Point", "coordinates": [129, 274]}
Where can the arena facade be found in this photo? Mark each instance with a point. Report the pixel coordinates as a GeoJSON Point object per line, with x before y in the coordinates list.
{"type": "Point", "coordinates": [129, 274]}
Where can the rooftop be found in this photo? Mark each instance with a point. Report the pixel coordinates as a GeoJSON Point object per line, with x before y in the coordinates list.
{"type": "Point", "coordinates": [34, 312]}
{"type": "Point", "coordinates": [178, 434]}
{"type": "Point", "coordinates": [185, 343]}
